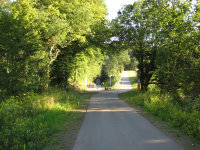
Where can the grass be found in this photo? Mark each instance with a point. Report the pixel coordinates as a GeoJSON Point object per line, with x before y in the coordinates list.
{"type": "Point", "coordinates": [134, 96]}
{"type": "Point", "coordinates": [30, 121]}
{"type": "Point", "coordinates": [160, 106]}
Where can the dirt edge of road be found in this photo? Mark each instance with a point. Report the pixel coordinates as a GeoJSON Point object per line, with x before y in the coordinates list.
{"type": "Point", "coordinates": [183, 140]}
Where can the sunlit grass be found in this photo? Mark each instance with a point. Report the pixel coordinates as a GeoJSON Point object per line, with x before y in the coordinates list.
{"type": "Point", "coordinates": [29, 121]}
{"type": "Point", "coordinates": [161, 106]}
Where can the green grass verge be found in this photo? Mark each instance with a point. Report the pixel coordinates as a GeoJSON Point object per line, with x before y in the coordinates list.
{"type": "Point", "coordinates": [29, 121]}
{"type": "Point", "coordinates": [134, 96]}
{"type": "Point", "coordinates": [162, 107]}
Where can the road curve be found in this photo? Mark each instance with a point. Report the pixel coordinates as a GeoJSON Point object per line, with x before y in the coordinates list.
{"type": "Point", "coordinates": [111, 124]}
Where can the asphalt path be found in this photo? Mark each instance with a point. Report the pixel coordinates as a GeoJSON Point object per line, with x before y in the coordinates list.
{"type": "Point", "coordinates": [111, 124]}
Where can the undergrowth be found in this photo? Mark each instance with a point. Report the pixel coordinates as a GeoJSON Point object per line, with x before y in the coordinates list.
{"type": "Point", "coordinates": [163, 107]}
{"type": "Point", "coordinates": [28, 121]}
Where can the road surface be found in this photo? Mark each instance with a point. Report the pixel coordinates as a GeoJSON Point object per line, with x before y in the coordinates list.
{"type": "Point", "coordinates": [110, 124]}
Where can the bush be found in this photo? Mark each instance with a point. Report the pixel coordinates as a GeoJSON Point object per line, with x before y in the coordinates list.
{"type": "Point", "coordinates": [164, 107]}
{"type": "Point", "coordinates": [191, 126]}
{"type": "Point", "coordinates": [175, 115]}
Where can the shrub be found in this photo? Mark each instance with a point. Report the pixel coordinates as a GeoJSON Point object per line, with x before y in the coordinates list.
{"type": "Point", "coordinates": [185, 117]}
{"type": "Point", "coordinates": [191, 126]}
{"type": "Point", "coordinates": [175, 115]}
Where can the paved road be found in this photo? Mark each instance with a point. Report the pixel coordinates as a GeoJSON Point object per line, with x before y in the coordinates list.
{"type": "Point", "coordinates": [110, 124]}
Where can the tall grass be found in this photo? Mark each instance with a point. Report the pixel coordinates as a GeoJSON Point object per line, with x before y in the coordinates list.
{"type": "Point", "coordinates": [28, 121]}
{"type": "Point", "coordinates": [162, 107]}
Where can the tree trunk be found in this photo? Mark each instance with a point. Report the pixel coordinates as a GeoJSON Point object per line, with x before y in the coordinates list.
{"type": "Point", "coordinates": [52, 58]}
{"type": "Point", "coordinates": [141, 67]}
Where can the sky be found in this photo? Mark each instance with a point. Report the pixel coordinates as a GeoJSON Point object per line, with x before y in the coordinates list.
{"type": "Point", "coordinates": [114, 6]}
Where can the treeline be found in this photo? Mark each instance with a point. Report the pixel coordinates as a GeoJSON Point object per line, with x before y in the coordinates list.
{"type": "Point", "coordinates": [164, 38]}
{"type": "Point", "coordinates": [45, 43]}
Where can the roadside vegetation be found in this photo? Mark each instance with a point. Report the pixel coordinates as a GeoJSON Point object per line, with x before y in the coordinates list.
{"type": "Point", "coordinates": [30, 120]}
{"type": "Point", "coordinates": [163, 41]}
{"type": "Point", "coordinates": [48, 50]}
{"type": "Point", "coordinates": [47, 47]}
{"type": "Point", "coordinates": [185, 118]}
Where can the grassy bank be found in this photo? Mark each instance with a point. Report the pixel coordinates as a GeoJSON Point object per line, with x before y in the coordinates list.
{"type": "Point", "coordinates": [162, 107]}
{"type": "Point", "coordinates": [30, 120]}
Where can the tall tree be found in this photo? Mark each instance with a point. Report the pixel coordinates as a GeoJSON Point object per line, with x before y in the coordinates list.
{"type": "Point", "coordinates": [63, 22]}
{"type": "Point", "coordinates": [35, 33]}
{"type": "Point", "coordinates": [19, 40]}
{"type": "Point", "coordinates": [75, 61]}
{"type": "Point", "coordinates": [135, 24]}
{"type": "Point", "coordinates": [175, 51]}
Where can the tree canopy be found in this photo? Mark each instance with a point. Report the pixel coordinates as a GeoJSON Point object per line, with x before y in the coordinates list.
{"type": "Point", "coordinates": [41, 41]}
{"type": "Point", "coordinates": [162, 36]}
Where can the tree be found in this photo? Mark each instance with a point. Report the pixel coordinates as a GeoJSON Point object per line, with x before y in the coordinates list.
{"type": "Point", "coordinates": [35, 33]}
{"type": "Point", "coordinates": [63, 22]}
{"type": "Point", "coordinates": [83, 57]}
{"type": "Point", "coordinates": [164, 38]}
{"type": "Point", "coordinates": [115, 63]}
{"type": "Point", "coordinates": [175, 52]}
{"type": "Point", "coordinates": [19, 41]}
{"type": "Point", "coordinates": [134, 23]}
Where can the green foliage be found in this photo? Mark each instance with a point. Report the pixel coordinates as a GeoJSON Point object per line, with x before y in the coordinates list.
{"type": "Point", "coordinates": [114, 65]}
{"type": "Point", "coordinates": [132, 65]}
{"type": "Point", "coordinates": [77, 63]}
{"type": "Point", "coordinates": [185, 118]}
{"type": "Point", "coordinates": [134, 96]}
{"type": "Point", "coordinates": [28, 121]}
{"type": "Point", "coordinates": [113, 81]}
{"type": "Point", "coordinates": [34, 34]}
{"type": "Point", "coordinates": [19, 40]}
{"type": "Point", "coordinates": [44, 42]}
{"type": "Point", "coordinates": [136, 33]}
{"type": "Point", "coordinates": [89, 65]}
{"type": "Point", "coordinates": [164, 39]}
{"type": "Point", "coordinates": [188, 122]}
